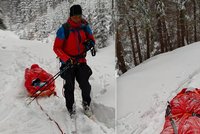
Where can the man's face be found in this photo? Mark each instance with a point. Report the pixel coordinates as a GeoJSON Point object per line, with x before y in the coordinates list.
{"type": "Point", "coordinates": [77, 18]}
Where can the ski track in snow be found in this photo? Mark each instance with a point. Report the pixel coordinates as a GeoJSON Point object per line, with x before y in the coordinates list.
{"type": "Point", "coordinates": [16, 117]}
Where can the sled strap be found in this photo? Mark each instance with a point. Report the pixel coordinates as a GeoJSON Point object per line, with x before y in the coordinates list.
{"type": "Point", "coordinates": [197, 115]}
{"type": "Point", "coordinates": [174, 125]}
{"type": "Point", "coordinates": [168, 110]}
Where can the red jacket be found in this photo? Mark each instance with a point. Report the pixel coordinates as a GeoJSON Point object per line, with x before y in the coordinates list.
{"type": "Point", "coordinates": [73, 46]}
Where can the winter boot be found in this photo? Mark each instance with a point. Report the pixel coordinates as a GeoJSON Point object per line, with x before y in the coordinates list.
{"type": "Point", "coordinates": [86, 109]}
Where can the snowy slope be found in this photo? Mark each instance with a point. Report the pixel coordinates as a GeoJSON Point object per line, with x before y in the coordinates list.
{"type": "Point", "coordinates": [143, 92]}
{"type": "Point", "coordinates": [18, 118]}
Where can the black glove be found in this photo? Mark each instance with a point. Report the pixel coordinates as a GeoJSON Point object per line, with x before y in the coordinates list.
{"type": "Point", "coordinates": [69, 62]}
{"type": "Point", "coordinates": [89, 44]}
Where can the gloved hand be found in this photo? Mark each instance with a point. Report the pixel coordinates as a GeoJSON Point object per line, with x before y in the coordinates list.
{"type": "Point", "coordinates": [89, 44]}
{"type": "Point", "coordinates": [70, 62]}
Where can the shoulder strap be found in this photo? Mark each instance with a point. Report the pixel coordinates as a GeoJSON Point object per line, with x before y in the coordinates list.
{"type": "Point", "coordinates": [85, 25]}
{"type": "Point", "coordinates": [66, 29]}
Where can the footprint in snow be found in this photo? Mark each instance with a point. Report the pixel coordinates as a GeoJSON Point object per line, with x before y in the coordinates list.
{"type": "Point", "coordinates": [103, 91]}
{"type": "Point", "coordinates": [3, 47]}
{"type": "Point", "coordinates": [106, 85]}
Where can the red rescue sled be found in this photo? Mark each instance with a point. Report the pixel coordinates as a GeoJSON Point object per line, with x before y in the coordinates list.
{"type": "Point", "coordinates": [35, 78]}
{"type": "Point", "coordinates": [183, 113]}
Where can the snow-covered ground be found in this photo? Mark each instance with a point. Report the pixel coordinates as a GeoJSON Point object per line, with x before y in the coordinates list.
{"type": "Point", "coordinates": [143, 92]}
{"type": "Point", "coordinates": [16, 117]}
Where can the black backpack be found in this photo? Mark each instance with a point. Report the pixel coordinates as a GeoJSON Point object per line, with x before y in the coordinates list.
{"type": "Point", "coordinates": [67, 29]}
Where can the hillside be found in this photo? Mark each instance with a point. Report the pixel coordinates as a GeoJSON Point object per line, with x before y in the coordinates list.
{"type": "Point", "coordinates": [143, 91]}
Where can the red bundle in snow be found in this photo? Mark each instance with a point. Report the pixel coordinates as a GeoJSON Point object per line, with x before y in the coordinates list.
{"type": "Point", "coordinates": [36, 81]}
{"type": "Point", "coordinates": [183, 113]}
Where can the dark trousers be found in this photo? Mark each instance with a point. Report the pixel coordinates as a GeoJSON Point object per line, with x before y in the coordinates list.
{"type": "Point", "coordinates": [81, 73]}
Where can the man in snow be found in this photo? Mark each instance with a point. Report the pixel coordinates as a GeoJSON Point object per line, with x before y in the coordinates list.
{"type": "Point", "coordinates": [73, 39]}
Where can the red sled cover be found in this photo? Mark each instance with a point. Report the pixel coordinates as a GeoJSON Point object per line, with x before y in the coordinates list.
{"type": "Point", "coordinates": [183, 113]}
{"type": "Point", "coordinates": [35, 78]}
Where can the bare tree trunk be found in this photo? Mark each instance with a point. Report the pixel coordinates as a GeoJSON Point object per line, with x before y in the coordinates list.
{"type": "Point", "coordinates": [132, 43]}
{"type": "Point", "coordinates": [161, 26]}
{"type": "Point", "coordinates": [148, 42]}
{"type": "Point", "coordinates": [160, 32]}
{"type": "Point", "coordinates": [178, 30]}
{"type": "Point", "coordinates": [195, 20]}
{"type": "Point", "coordinates": [187, 32]}
{"type": "Point", "coordinates": [119, 52]}
{"type": "Point", "coordinates": [152, 39]}
{"type": "Point", "coordinates": [166, 36]}
{"type": "Point", "coordinates": [198, 20]}
{"type": "Point", "coordinates": [168, 42]}
{"type": "Point", "coordinates": [112, 4]}
{"type": "Point", "coordinates": [172, 34]}
{"type": "Point", "coordinates": [137, 41]}
{"type": "Point", "coordinates": [182, 26]}
{"type": "Point", "coordinates": [112, 27]}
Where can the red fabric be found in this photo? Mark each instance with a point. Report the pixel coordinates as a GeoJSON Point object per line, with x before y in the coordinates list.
{"type": "Point", "coordinates": [72, 46]}
{"type": "Point", "coordinates": [186, 125]}
{"type": "Point", "coordinates": [36, 72]}
{"type": "Point", "coordinates": [58, 49]}
{"type": "Point", "coordinates": [182, 107]}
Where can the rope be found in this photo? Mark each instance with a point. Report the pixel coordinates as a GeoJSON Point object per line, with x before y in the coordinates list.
{"type": "Point", "coordinates": [173, 125]}
{"type": "Point", "coordinates": [197, 115]}
{"type": "Point", "coordinates": [63, 88]}
{"type": "Point", "coordinates": [49, 117]}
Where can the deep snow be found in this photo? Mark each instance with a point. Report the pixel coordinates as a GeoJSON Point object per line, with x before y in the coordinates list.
{"type": "Point", "coordinates": [143, 92]}
{"type": "Point", "coordinates": [18, 118]}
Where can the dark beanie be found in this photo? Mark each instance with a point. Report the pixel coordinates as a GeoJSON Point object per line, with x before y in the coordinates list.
{"type": "Point", "coordinates": [75, 10]}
